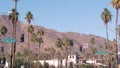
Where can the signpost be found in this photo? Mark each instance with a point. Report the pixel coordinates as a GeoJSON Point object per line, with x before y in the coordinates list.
{"type": "Point", "coordinates": [8, 40]}
{"type": "Point", "coordinates": [101, 52]}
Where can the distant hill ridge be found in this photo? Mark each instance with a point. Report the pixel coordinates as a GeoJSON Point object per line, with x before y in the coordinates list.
{"type": "Point", "coordinates": [49, 37]}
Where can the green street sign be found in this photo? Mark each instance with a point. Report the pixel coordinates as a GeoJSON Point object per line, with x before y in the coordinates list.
{"type": "Point", "coordinates": [8, 40]}
{"type": "Point", "coordinates": [101, 52]}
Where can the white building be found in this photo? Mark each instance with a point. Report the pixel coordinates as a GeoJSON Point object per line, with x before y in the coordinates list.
{"type": "Point", "coordinates": [71, 58]}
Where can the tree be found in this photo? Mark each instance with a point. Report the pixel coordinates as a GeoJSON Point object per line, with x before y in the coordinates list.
{"type": "Point", "coordinates": [14, 19]}
{"type": "Point", "coordinates": [67, 43]}
{"type": "Point", "coordinates": [29, 17]}
{"type": "Point", "coordinates": [30, 29]}
{"type": "Point", "coordinates": [116, 5]}
{"type": "Point", "coordinates": [51, 51]}
{"type": "Point", "coordinates": [106, 17]}
{"type": "Point", "coordinates": [34, 38]}
{"type": "Point", "coordinates": [40, 32]}
{"type": "Point", "coordinates": [3, 30]}
{"type": "Point", "coordinates": [39, 40]}
{"type": "Point", "coordinates": [58, 44]}
{"type": "Point", "coordinates": [92, 41]}
{"type": "Point", "coordinates": [93, 49]}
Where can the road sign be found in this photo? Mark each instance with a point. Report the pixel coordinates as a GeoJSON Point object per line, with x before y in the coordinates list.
{"type": "Point", "coordinates": [101, 52]}
{"type": "Point", "coordinates": [8, 40]}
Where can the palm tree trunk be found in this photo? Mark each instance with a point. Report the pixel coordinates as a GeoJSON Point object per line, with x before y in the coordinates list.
{"type": "Point", "coordinates": [14, 35]}
{"type": "Point", "coordinates": [116, 38]}
{"type": "Point", "coordinates": [66, 57]}
{"type": "Point", "coordinates": [108, 44]}
{"type": "Point", "coordinates": [28, 66]}
{"type": "Point", "coordinates": [107, 34]}
{"type": "Point", "coordinates": [39, 51]}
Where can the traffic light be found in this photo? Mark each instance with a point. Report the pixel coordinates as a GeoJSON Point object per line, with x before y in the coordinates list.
{"type": "Point", "coordinates": [22, 37]}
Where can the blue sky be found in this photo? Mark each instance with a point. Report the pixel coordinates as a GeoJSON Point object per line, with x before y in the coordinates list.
{"type": "Point", "coordinates": [82, 16]}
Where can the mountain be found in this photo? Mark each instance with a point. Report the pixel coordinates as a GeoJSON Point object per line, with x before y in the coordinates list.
{"type": "Point", "coordinates": [49, 37]}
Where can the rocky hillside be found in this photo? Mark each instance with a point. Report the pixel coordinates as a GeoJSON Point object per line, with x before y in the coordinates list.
{"type": "Point", "coordinates": [49, 37]}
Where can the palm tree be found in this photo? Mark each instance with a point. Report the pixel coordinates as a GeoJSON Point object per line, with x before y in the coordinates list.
{"type": "Point", "coordinates": [14, 18]}
{"type": "Point", "coordinates": [92, 42]}
{"type": "Point", "coordinates": [67, 43]}
{"type": "Point", "coordinates": [58, 44]}
{"type": "Point", "coordinates": [40, 32]}
{"type": "Point", "coordinates": [51, 51]}
{"type": "Point", "coordinates": [34, 38]}
{"type": "Point", "coordinates": [29, 17]}
{"type": "Point", "coordinates": [116, 5]}
{"type": "Point", "coordinates": [30, 31]}
{"type": "Point", "coordinates": [39, 40]}
{"type": "Point", "coordinates": [106, 17]}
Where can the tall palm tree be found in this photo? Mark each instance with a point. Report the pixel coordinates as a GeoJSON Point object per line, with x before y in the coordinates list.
{"type": "Point", "coordinates": [39, 40]}
{"type": "Point", "coordinates": [116, 5]}
{"type": "Point", "coordinates": [14, 18]}
{"type": "Point", "coordinates": [92, 42]}
{"type": "Point", "coordinates": [29, 17]}
{"type": "Point", "coordinates": [106, 17]}
{"type": "Point", "coordinates": [40, 33]}
{"type": "Point", "coordinates": [58, 44]}
{"type": "Point", "coordinates": [67, 43]}
{"type": "Point", "coordinates": [30, 31]}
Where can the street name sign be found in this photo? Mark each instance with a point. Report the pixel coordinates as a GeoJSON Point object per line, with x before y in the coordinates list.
{"type": "Point", "coordinates": [101, 52]}
{"type": "Point", "coordinates": [8, 40]}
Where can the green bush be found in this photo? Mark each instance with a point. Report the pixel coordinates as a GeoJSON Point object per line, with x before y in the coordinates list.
{"type": "Point", "coordinates": [18, 63]}
{"type": "Point", "coordinates": [84, 66]}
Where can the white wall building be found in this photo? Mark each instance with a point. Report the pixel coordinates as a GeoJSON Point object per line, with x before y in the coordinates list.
{"type": "Point", "coordinates": [71, 58]}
